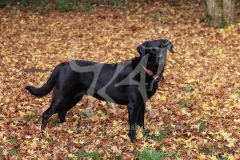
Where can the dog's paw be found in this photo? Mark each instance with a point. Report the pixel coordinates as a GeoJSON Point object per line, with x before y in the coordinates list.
{"type": "Point", "coordinates": [141, 124]}
{"type": "Point", "coordinates": [61, 117]}
{"type": "Point", "coordinates": [132, 136]}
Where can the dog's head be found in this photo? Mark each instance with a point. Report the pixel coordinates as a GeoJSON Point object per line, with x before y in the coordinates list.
{"type": "Point", "coordinates": [156, 50]}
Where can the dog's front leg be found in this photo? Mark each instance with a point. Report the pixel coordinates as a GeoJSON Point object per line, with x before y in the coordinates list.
{"type": "Point", "coordinates": [140, 120]}
{"type": "Point", "coordinates": [133, 111]}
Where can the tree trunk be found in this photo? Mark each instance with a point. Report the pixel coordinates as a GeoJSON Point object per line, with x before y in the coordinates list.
{"type": "Point", "coordinates": [220, 13]}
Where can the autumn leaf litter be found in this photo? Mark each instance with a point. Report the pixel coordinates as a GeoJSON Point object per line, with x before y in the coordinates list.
{"type": "Point", "coordinates": [199, 100]}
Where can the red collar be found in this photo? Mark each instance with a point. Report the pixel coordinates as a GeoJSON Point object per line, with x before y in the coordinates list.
{"type": "Point", "coordinates": [149, 72]}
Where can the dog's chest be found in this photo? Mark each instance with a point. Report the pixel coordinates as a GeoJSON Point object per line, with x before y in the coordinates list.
{"type": "Point", "coordinates": [151, 88]}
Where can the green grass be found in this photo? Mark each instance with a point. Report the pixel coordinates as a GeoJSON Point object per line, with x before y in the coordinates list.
{"type": "Point", "coordinates": [185, 103]}
{"type": "Point", "coordinates": [13, 140]}
{"type": "Point", "coordinates": [13, 152]}
{"type": "Point", "coordinates": [188, 89]}
{"type": "Point", "coordinates": [157, 138]}
{"type": "Point", "coordinates": [238, 2]}
{"type": "Point", "coordinates": [55, 122]}
{"type": "Point", "coordinates": [162, 134]}
{"type": "Point", "coordinates": [44, 6]}
{"type": "Point", "coordinates": [30, 117]}
{"type": "Point", "coordinates": [51, 140]}
{"type": "Point", "coordinates": [221, 157]}
{"type": "Point", "coordinates": [212, 151]}
{"type": "Point", "coordinates": [148, 154]}
{"type": "Point", "coordinates": [206, 151]}
{"type": "Point", "coordinates": [67, 158]}
{"type": "Point", "coordinates": [151, 155]}
{"type": "Point", "coordinates": [86, 115]}
{"type": "Point", "coordinates": [90, 155]}
{"type": "Point", "coordinates": [1, 153]}
{"type": "Point", "coordinates": [202, 126]}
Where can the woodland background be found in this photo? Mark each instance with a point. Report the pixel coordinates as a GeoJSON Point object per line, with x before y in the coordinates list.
{"type": "Point", "coordinates": [195, 113]}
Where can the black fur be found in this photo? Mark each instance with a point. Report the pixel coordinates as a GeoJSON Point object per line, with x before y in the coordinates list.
{"type": "Point", "coordinates": [125, 83]}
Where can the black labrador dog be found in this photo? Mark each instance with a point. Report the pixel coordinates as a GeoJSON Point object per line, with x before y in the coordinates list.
{"type": "Point", "coordinates": [130, 83]}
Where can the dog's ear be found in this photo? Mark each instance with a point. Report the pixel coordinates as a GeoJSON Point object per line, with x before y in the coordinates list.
{"type": "Point", "coordinates": [142, 49]}
{"type": "Point", "coordinates": [168, 44]}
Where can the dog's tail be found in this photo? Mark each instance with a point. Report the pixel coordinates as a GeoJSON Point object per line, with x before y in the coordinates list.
{"type": "Point", "coordinates": [47, 87]}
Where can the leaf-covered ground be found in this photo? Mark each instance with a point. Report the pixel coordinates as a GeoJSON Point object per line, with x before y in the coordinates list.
{"type": "Point", "coordinates": [195, 113]}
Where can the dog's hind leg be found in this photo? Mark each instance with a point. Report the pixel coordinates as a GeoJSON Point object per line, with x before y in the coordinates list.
{"type": "Point", "coordinates": [58, 102]}
{"type": "Point", "coordinates": [62, 113]}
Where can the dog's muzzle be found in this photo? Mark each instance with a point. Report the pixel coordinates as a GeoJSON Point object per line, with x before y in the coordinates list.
{"type": "Point", "coordinates": [161, 57]}
{"type": "Point", "coordinates": [160, 60]}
